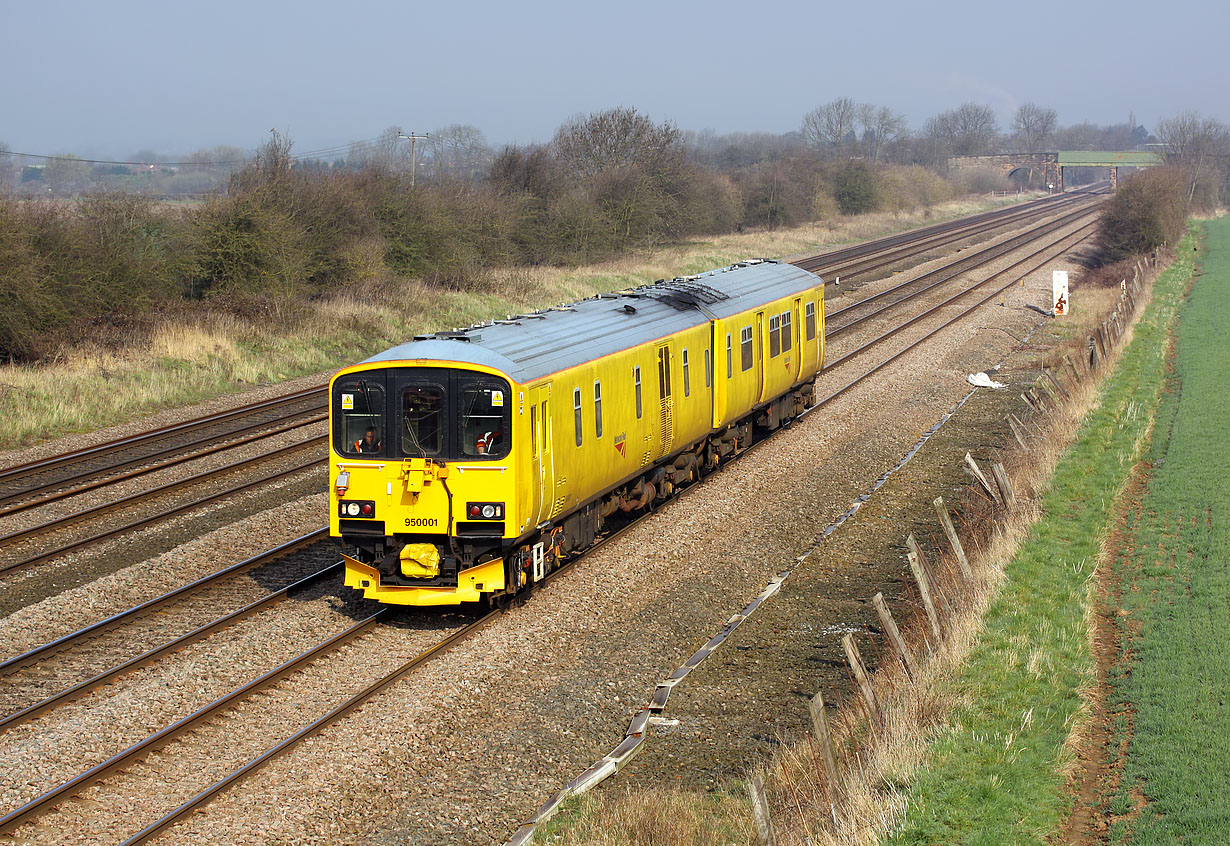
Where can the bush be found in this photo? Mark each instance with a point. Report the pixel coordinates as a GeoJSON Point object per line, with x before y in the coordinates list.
{"type": "Point", "coordinates": [1146, 212]}
{"type": "Point", "coordinates": [856, 187]}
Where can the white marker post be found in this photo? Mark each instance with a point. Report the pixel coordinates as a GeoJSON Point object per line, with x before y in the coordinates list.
{"type": "Point", "coordinates": [1059, 291]}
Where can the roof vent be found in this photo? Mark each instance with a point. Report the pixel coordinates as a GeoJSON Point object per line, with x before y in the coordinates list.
{"type": "Point", "coordinates": [629, 309]}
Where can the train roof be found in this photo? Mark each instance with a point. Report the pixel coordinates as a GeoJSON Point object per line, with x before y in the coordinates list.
{"type": "Point", "coordinates": [530, 346]}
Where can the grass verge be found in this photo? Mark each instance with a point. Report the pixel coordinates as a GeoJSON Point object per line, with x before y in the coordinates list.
{"type": "Point", "coordinates": [996, 770]}
{"type": "Point", "coordinates": [190, 359]}
{"type": "Point", "coordinates": [1170, 688]}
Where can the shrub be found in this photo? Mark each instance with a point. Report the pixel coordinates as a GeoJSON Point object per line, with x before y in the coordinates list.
{"type": "Point", "coordinates": [1146, 212]}
{"type": "Point", "coordinates": [856, 187]}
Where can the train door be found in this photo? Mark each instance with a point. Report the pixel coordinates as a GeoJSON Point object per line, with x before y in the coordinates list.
{"type": "Point", "coordinates": [666, 407]}
{"type": "Point", "coordinates": [795, 337]}
{"type": "Point", "coordinates": [760, 353]}
{"type": "Point", "coordinates": [541, 455]}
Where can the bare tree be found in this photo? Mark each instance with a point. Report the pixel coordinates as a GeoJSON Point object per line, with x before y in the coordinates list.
{"type": "Point", "coordinates": [830, 127]}
{"type": "Point", "coordinates": [590, 145]}
{"type": "Point", "coordinates": [969, 130]}
{"type": "Point", "coordinates": [1201, 147]}
{"type": "Point", "coordinates": [880, 127]}
{"type": "Point", "coordinates": [458, 151]}
{"type": "Point", "coordinates": [1034, 126]}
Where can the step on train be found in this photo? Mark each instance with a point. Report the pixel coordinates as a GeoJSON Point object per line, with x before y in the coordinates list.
{"type": "Point", "coordinates": [465, 466]}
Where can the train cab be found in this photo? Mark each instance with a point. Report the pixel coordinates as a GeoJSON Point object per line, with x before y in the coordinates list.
{"type": "Point", "coordinates": [422, 471]}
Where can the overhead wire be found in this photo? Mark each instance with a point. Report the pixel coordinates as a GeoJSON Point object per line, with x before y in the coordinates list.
{"type": "Point", "coordinates": [350, 147]}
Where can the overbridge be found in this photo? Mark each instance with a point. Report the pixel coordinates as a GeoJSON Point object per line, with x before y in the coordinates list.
{"type": "Point", "coordinates": [1050, 165]}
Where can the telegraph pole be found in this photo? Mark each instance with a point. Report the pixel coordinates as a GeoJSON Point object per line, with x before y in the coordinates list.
{"type": "Point", "coordinates": [413, 161]}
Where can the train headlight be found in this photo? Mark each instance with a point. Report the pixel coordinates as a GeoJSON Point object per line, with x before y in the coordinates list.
{"type": "Point", "coordinates": [485, 510]}
{"type": "Point", "coordinates": [353, 509]}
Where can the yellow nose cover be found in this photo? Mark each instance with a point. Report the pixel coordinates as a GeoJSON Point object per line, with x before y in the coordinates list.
{"type": "Point", "coordinates": [420, 561]}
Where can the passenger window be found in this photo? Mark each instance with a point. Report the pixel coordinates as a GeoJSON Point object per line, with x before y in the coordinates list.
{"type": "Point", "coordinates": [810, 314]}
{"type": "Point", "coordinates": [775, 337]}
{"type": "Point", "coordinates": [597, 409]}
{"type": "Point", "coordinates": [360, 418]}
{"type": "Point", "coordinates": [708, 369]}
{"type": "Point", "coordinates": [576, 412]}
{"type": "Point", "coordinates": [636, 378]}
{"type": "Point", "coordinates": [534, 430]}
{"type": "Point", "coordinates": [687, 379]}
{"type": "Point", "coordinates": [787, 341]}
{"type": "Point", "coordinates": [745, 347]}
{"type": "Point", "coordinates": [730, 359]}
{"type": "Point", "coordinates": [422, 416]}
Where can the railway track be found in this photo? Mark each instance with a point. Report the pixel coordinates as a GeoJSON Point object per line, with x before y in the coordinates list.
{"type": "Point", "coordinates": [960, 303]}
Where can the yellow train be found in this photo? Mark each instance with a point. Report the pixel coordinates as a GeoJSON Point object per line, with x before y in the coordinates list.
{"type": "Point", "coordinates": [467, 465]}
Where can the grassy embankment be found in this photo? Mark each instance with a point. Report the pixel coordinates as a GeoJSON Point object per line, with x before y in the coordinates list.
{"type": "Point", "coordinates": [1170, 699]}
{"type": "Point", "coordinates": [192, 359]}
{"type": "Point", "coordinates": [998, 769]}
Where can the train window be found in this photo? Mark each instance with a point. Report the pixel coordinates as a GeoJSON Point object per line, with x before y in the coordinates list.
{"type": "Point", "coordinates": [597, 409]}
{"type": "Point", "coordinates": [576, 412]}
{"type": "Point", "coordinates": [359, 417]}
{"type": "Point", "coordinates": [534, 430]}
{"type": "Point", "coordinates": [787, 331]}
{"type": "Point", "coordinates": [483, 417]}
{"type": "Point", "coordinates": [687, 378]}
{"type": "Point", "coordinates": [810, 313]}
{"type": "Point", "coordinates": [730, 359]}
{"type": "Point", "coordinates": [775, 336]}
{"type": "Point", "coordinates": [708, 369]}
{"type": "Point", "coordinates": [636, 378]}
{"type": "Point", "coordinates": [422, 414]}
{"type": "Point", "coordinates": [745, 347]}
{"type": "Point", "coordinates": [664, 372]}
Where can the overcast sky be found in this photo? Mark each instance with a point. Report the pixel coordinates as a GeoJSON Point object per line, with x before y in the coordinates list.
{"type": "Point", "coordinates": [105, 79]}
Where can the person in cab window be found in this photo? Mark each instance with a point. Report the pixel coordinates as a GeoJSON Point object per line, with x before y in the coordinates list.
{"type": "Point", "coordinates": [370, 442]}
{"type": "Point", "coordinates": [486, 442]}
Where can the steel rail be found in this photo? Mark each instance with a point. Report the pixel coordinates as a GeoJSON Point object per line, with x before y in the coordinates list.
{"type": "Point", "coordinates": [150, 493]}
{"type": "Point", "coordinates": [152, 434]}
{"type": "Point", "coordinates": [179, 459]}
{"type": "Point", "coordinates": [907, 249]}
{"type": "Point", "coordinates": [835, 394]}
{"type": "Point", "coordinates": [157, 518]}
{"type": "Point", "coordinates": [948, 271]}
{"type": "Point", "coordinates": [149, 656]}
{"type": "Point", "coordinates": [139, 750]}
{"type": "Point", "coordinates": [869, 247]}
{"type": "Point", "coordinates": [137, 612]}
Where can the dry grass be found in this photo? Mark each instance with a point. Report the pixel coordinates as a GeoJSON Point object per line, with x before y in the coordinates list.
{"type": "Point", "coordinates": [657, 816]}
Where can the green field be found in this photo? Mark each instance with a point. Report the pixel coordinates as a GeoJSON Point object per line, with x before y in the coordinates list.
{"type": "Point", "coordinates": [996, 768]}
{"type": "Point", "coordinates": [1171, 687]}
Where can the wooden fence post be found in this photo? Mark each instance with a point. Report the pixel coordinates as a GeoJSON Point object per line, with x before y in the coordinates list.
{"type": "Point", "coordinates": [894, 636]}
{"type": "Point", "coordinates": [1051, 378]}
{"type": "Point", "coordinates": [924, 591]}
{"type": "Point", "coordinates": [760, 811]}
{"type": "Point", "coordinates": [861, 679]}
{"type": "Point", "coordinates": [820, 728]}
{"type": "Point", "coordinates": [1017, 432]}
{"type": "Point", "coordinates": [1005, 489]}
{"type": "Point", "coordinates": [982, 479]}
{"type": "Point", "coordinates": [951, 534]}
